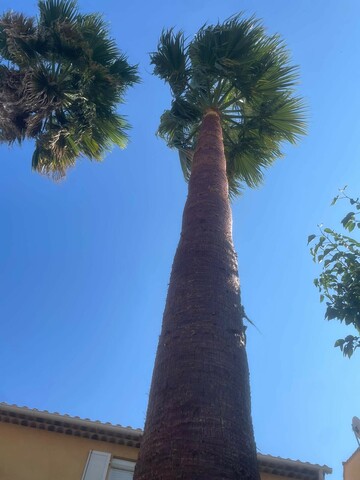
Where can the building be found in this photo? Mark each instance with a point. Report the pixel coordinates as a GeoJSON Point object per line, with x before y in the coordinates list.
{"type": "Point", "coordinates": [38, 445]}
{"type": "Point", "coordinates": [352, 466]}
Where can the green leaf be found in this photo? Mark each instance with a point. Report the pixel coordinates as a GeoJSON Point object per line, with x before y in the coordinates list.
{"type": "Point", "coordinates": [339, 281]}
{"type": "Point", "coordinates": [331, 313]}
{"type": "Point", "coordinates": [350, 226]}
{"type": "Point", "coordinates": [170, 61]}
{"type": "Point", "coordinates": [339, 343]}
{"type": "Point", "coordinates": [347, 218]}
{"type": "Point", "coordinates": [310, 238]}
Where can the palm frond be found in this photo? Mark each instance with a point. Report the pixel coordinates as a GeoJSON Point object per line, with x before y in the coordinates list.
{"type": "Point", "coordinates": [179, 125]}
{"type": "Point", "coordinates": [63, 85]}
{"type": "Point", "coordinates": [224, 49]}
{"type": "Point", "coordinates": [245, 75]}
{"type": "Point", "coordinates": [186, 157]}
{"type": "Point", "coordinates": [126, 73]}
{"type": "Point", "coordinates": [52, 11]}
{"type": "Point", "coordinates": [286, 119]}
{"type": "Point", "coordinates": [13, 114]}
{"type": "Point", "coordinates": [55, 152]}
{"type": "Point", "coordinates": [17, 38]}
{"type": "Point", "coordinates": [170, 61]}
{"type": "Point", "coordinates": [109, 131]}
{"type": "Point", "coordinates": [102, 48]}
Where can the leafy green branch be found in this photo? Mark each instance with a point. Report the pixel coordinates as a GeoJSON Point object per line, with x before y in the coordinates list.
{"type": "Point", "coordinates": [339, 281]}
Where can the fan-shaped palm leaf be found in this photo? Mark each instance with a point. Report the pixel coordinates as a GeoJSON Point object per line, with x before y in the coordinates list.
{"type": "Point", "coordinates": [62, 85]}
{"type": "Point", "coordinates": [52, 11]}
{"type": "Point", "coordinates": [243, 74]}
{"type": "Point", "coordinates": [170, 61]}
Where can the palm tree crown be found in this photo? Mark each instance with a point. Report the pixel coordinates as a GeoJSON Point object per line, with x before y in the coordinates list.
{"type": "Point", "coordinates": [61, 78]}
{"type": "Point", "coordinates": [237, 70]}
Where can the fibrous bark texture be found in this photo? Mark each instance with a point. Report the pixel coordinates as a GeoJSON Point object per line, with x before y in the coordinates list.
{"type": "Point", "coordinates": [198, 424]}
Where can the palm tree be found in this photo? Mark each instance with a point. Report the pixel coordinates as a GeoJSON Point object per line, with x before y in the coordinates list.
{"type": "Point", "coordinates": [61, 78]}
{"type": "Point", "coordinates": [233, 106]}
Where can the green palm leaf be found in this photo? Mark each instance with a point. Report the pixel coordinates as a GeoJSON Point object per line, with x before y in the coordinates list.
{"type": "Point", "coordinates": [62, 86]}
{"type": "Point", "coordinates": [52, 11]}
{"type": "Point", "coordinates": [170, 61]}
{"type": "Point", "coordinates": [17, 38]}
{"type": "Point", "coordinates": [238, 70]}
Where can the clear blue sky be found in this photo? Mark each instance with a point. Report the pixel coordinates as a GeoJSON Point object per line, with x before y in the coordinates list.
{"type": "Point", "coordinates": [84, 264]}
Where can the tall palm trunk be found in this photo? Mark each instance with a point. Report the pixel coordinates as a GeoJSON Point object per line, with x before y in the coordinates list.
{"type": "Point", "coordinates": [198, 424]}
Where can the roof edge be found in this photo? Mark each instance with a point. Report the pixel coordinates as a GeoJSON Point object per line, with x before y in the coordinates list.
{"type": "Point", "coordinates": [74, 425]}
{"type": "Point", "coordinates": [108, 432]}
{"type": "Point", "coordinates": [294, 463]}
{"type": "Point", "coordinates": [351, 456]}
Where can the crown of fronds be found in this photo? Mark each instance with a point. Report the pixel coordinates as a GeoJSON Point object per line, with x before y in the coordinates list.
{"type": "Point", "coordinates": [245, 75]}
{"type": "Point", "coordinates": [61, 79]}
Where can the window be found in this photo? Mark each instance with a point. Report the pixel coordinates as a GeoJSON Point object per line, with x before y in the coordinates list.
{"type": "Point", "coordinates": [121, 470]}
{"type": "Point", "coordinates": [101, 466]}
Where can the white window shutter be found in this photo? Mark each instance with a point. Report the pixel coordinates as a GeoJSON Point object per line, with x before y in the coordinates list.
{"type": "Point", "coordinates": [96, 466]}
{"type": "Point", "coordinates": [121, 470]}
{"type": "Point", "coordinates": [116, 474]}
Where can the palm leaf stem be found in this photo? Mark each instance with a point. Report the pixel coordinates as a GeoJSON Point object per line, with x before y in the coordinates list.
{"type": "Point", "coordinates": [223, 98]}
{"type": "Point", "coordinates": [200, 94]}
{"type": "Point", "coordinates": [194, 133]}
{"type": "Point", "coordinates": [218, 90]}
{"type": "Point", "coordinates": [225, 133]}
{"type": "Point", "coordinates": [232, 115]}
{"type": "Point", "coordinates": [208, 89]}
{"type": "Point", "coordinates": [53, 63]}
{"type": "Point", "coordinates": [193, 90]}
{"type": "Point", "coordinates": [196, 130]}
{"type": "Point", "coordinates": [234, 122]}
{"type": "Point", "coordinates": [59, 65]}
{"type": "Point", "coordinates": [64, 70]}
{"type": "Point", "coordinates": [232, 101]}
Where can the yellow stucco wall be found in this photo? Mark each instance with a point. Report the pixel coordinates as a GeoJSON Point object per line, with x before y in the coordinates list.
{"type": "Point", "coordinates": [352, 467]}
{"type": "Point", "coordinates": [30, 454]}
